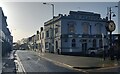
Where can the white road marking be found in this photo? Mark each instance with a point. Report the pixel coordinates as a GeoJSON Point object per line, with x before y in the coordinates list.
{"type": "Point", "coordinates": [21, 68]}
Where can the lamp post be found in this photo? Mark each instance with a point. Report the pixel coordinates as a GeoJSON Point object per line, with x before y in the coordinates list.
{"type": "Point", "coordinates": [111, 27]}
{"type": "Point", "coordinates": [52, 7]}
{"type": "Point", "coordinates": [52, 37]}
{"type": "Point", "coordinates": [103, 46]}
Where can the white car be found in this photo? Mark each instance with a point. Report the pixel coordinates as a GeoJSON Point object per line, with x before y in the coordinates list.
{"type": "Point", "coordinates": [92, 51]}
{"type": "Point", "coordinates": [15, 55]}
{"type": "Point", "coordinates": [16, 64]}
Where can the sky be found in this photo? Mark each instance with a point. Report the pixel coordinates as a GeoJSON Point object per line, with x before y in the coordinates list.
{"type": "Point", "coordinates": [25, 18]}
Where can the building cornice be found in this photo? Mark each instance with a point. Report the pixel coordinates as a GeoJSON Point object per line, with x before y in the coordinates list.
{"type": "Point", "coordinates": [80, 15]}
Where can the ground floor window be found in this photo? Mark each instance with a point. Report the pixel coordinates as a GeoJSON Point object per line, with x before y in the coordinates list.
{"type": "Point", "coordinates": [56, 44]}
{"type": "Point", "coordinates": [73, 43]}
{"type": "Point", "coordinates": [100, 43]}
{"type": "Point", "coordinates": [46, 45]}
{"type": "Point", "coordinates": [94, 43]}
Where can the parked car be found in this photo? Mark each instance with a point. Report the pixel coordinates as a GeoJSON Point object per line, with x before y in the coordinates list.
{"type": "Point", "coordinates": [97, 51]}
{"type": "Point", "coordinates": [92, 51]}
{"type": "Point", "coordinates": [14, 58]}
{"type": "Point", "coordinates": [16, 64]}
{"type": "Point", "coordinates": [103, 51]}
{"type": "Point", "coordinates": [15, 55]}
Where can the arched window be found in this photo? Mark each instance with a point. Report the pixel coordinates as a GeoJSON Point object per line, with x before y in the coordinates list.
{"type": "Point", "coordinates": [73, 40]}
{"type": "Point", "coordinates": [94, 43]}
{"type": "Point", "coordinates": [73, 43]}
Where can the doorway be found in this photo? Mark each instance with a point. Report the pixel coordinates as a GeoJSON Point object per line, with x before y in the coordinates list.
{"type": "Point", "coordinates": [84, 48]}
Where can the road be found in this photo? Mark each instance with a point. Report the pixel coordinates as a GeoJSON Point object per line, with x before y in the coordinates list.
{"type": "Point", "coordinates": [33, 63]}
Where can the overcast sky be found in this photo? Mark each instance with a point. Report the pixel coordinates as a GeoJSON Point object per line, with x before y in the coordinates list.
{"type": "Point", "coordinates": [25, 18]}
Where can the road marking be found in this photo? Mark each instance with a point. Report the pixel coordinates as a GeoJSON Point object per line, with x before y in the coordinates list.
{"type": "Point", "coordinates": [64, 64]}
{"type": "Point", "coordinates": [107, 68]}
{"type": "Point", "coordinates": [20, 64]}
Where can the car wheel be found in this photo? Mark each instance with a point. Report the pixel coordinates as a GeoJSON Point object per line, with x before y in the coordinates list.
{"type": "Point", "coordinates": [92, 53]}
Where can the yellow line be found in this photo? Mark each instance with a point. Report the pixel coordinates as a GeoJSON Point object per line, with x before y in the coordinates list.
{"type": "Point", "coordinates": [63, 64]}
{"type": "Point", "coordinates": [107, 68]}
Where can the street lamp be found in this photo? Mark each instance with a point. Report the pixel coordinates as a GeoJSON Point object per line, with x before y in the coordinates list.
{"type": "Point", "coordinates": [53, 25]}
{"type": "Point", "coordinates": [111, 27]}
{"type": "Point", "coordinates": [52, 8]}
{"type": "Point", "coordinates": [110, 12]}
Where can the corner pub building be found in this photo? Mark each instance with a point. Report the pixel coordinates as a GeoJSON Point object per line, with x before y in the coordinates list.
{"type": "Point", "coordinates": [75, 33]}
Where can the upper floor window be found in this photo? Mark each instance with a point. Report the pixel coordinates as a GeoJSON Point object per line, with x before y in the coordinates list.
{"type": "Point", "coordinates": [85, 28]}
{"type": "Point", "coordinates": [47, 33]}
{"type": "Point", "coordinates": [98, 28]}
{"type": "Point", "coordinates": [56, 30]}
{"type": "Point", "coordinates": [71, 27]}
{"type": "Point", "coordinates": [42, 35]}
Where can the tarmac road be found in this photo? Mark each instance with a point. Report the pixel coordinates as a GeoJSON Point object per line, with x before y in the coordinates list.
{"type": "Point", "coordinates": [33, 63]}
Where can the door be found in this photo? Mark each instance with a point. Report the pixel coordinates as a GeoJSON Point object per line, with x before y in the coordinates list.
{"type": "Point", "coordinates": [84, 48]}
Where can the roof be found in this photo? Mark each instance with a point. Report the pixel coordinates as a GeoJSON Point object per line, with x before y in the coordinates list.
{"type": "Point", "coordinates": [83, 13]}
{"type": "Point", "coordinates": [75, 15]}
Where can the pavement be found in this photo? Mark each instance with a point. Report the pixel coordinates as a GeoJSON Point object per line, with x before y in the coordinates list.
{"type": "Point", "coordinates": [83, 63]}
{"type": "Point", "coordinates": [8, 64]}
{"type": "Point", "coordinates": [89, 65]}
